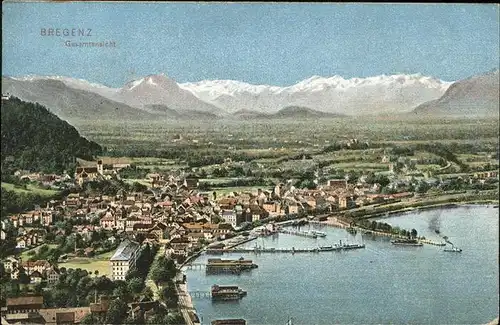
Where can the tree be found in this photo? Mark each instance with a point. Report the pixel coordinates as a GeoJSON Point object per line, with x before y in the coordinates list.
{"type": "Point", "coordinates": [90, 319]}
{"type": "Point", "coordinates": [414, 233]}
{"type": "Point", "coordinates": [135, 285]}
{"type": "Point", "coordinates": [96, 272]}
{"type": "Point", "coordinates": [23, 277]}
{"type": "Point", "coordinates": [140, 237]}
{"type": "Point", "coordinates": [163, 270]}
{"type": "Point", "coordinates": [169, 295]}
{"type": "Point", "coordinates": [117, 312]}
{"type": "Point", "coordinates": [148, 293]}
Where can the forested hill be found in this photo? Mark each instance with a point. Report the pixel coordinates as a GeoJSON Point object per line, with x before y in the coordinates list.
{"type": "Point", "coordinates": [35, 139]}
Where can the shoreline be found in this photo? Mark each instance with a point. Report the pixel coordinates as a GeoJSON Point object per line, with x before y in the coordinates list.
{"type": "Point", "coordinates": [333, 221]}
{"type": "Point", "coordinates": [430, 206]}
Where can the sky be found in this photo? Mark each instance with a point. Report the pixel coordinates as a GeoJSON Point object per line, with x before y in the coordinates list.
{"type": "Point", "coordinates": [261, 43]}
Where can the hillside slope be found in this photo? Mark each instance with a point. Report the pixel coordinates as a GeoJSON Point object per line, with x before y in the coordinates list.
{"type": "Point", "coordinates": [70, 103]}
{"type": "Point", "coordinates": [477, 96]}
{"type": "Point", "coordinates": [35, 139]}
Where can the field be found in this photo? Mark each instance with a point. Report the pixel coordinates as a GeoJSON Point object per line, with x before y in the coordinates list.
{"type": "Point", "coordinates": [274, 150]}
{"type": "Point", "coordinates": [25, 256]}
{"type": "Point", "coordinates": [259, 138]}
{"type": "Point", "coordinates": [99, 263]}
{"type": "Point", "coordinates": [30, 189]}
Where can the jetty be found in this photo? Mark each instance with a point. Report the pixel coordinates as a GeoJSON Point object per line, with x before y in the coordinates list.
{"type": "Point", "coordinates": [293, 250]}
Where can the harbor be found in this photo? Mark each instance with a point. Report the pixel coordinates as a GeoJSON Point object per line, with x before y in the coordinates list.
{"type": "Point", "coordinates": [349, 272]}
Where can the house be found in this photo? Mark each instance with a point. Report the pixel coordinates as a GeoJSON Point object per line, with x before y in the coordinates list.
{"type": "Point", "coordinates": [52, 275]}
{"type": "Point", "coordinates": [230, 217]}
{"type": "Point", "coordinates": [10, 263]}
{"type": "Point", "coordinates": [193, 227]}
{"type": "Point", "coordinates": [337, 184]}
{"type": "Point", "coordinates": [24, 304]}
{"type": "Point", "coordinates": [346, 202]}
{"type": "Point", "coordinates": [131, 221]}
{"type": "Point", "coordinates": [41, 266]}
{"type": "Point", "coordinates": [57, 316]}
{"type": "Point", "coordinates": [181, 249]}
{"type": "Point", "coordinates": [293, 208]}
{"type": "Point", "coordinates": [273, 208]}
{"type": "Point", "coordinates": [141, 227]}
{"type": "Point", "coordinates": [159, 230]}
{"type": "Point", "coordinates": [108, 221]}
{"type": "Point", "coordinates": [16, 271]}
{"type": "Point", "coordinates": [100, 308]}
{"type": "Point", "coordinates": [21, 243]}
{"type": "Point", "coordinates": [195, 237]}
{"type": "Point", "coordinates": [36, 277]}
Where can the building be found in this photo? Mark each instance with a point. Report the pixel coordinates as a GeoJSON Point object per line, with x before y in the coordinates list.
{"type": "Point", "coordinates": [86, 174]}
{"type": "Point", "coordinates": [52, 275]}
{"type": "Point", "coordinates": [229, 216]}
{"type": "Point", "coordinates": [10, 263]}
{"type": "Point", "coordinates": [124, 258]}
{"type": "Point", "coordinates": [26, 304]}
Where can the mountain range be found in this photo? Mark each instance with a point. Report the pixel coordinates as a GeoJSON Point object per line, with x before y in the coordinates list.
{"type": "Point", "coordinates": [474, 96]}
{"type": "Point", "coordinates": [158, 96]}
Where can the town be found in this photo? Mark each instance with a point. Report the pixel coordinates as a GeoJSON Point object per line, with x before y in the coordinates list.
{"type": "Point", "coordinates": [107, 239]}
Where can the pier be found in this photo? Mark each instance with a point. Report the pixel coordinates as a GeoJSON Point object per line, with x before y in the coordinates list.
{"type": "Point", "coordinates": [201, 294]}
{"type": "Point", "coordinates": [195, 266]}
{"type": "Point", "coordinates": [293, 250]}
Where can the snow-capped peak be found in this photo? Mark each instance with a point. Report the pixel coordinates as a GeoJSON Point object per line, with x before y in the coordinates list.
{"type": "Point", "coordinates": [354, 96]}
{"type": "Point", "coordinates": [398, 92]}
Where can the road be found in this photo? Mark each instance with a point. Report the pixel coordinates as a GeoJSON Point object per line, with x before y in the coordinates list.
{"type": "Point", "coordinates": [185, 303]}
{"type": "Point", "coordinates": [150, 283]}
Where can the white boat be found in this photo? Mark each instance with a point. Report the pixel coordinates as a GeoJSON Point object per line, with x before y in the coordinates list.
{"type": "Point", "coordinates": [318, 233]}
{"type": "Point", "coordinates": [453, 249]}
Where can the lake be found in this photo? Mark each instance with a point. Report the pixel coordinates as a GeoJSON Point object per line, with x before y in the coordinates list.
{"type": "Point", "coordinates": [381, 284]}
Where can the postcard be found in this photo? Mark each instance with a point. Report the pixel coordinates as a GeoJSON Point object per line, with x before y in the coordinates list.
{"type": "Point", "coordinates": [249, 163]}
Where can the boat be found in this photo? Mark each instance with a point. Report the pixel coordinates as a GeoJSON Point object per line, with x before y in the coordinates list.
{"type": "Point", "coordinates": [453, 249]}
{"type": "Point", "coordinates": [318, 233]}
{"type": "Point", "coordinates": [406, 242]}
{"type": "Point", "coordinates": [352, 246]}
{"type": "Point", "coordinates": [327, 248]}
{"type": "Point", "coordinates": [219, 292]}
